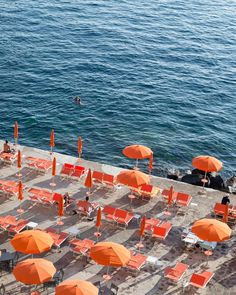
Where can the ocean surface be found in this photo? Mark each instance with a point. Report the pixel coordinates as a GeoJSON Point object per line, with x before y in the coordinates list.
{"type": "Point", "coordinates": [157, 73]}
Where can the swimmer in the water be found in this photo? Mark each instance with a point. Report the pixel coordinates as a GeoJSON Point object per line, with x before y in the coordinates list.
{"type": "Point", "coordinates": [77, 100]}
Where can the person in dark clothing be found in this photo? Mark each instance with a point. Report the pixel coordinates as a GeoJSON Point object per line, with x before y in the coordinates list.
{"type": "Point", "coordinates": [225, 200]}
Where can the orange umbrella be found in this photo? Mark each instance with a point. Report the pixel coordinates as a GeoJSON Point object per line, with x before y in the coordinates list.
{"type": "Point", "coordinates": [226, 213]}
{"type": "Point", "coordinates": [142, 226]}
{"type": "Point", "coordinates": [32, 242]}
{"type": "Point", "coordinates": [150, 167]}
{"type": "Point", "coordinates": [137, 152]}
{"type": "Point", "coordinates": [52, 140]}
{"type": "Point", "coordinates": [54, 163]}
{"type": "Point", "coordinates": [170, 195]}
{"type": "Point", "coordinates": [60, 200]}
{"type": "Point", "coordinates": [19, 159]}
{"type": "Point", "coordinates": [132, 178]}
{"type": "Point", "coordinates": [76, 287]}
{"type": "Point", "coordinates": [16, 132]}
{"type": "Point", "coordinates": [89, 181]}
{"type": "Point", "coordinates": [34, 271]}
{"type": "Point", "coordinates": [110, 254]}
{"type": "Point", "coordinates": [20, 191]}
{"type": "Point", "coordinates": [211, 230]}
{"type": "Point", "coordinates": [99, 217]}
{"type": "Point", "coordinates": [207, 163]}
{"type": "Point", "coordinates": [80, 146]}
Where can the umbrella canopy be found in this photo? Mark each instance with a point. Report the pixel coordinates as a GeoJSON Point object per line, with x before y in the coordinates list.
{"type": "Point", "coordinates": [76, 287]}
{"type": "Point", "coordinates": [99, 217]}
{"type": "Point", "coordinates": [137, 152]}
{"type": "Point", "coordinates": [211, 230]}
{"type": "Point", "coordinates": [110, 254]}
{"type": "Point", "coordinates": [52, 141]}
{"type": "Point", "coordinates": [32, 242]}
{"type": "Point", "coordinates": [54, 163]}
{"type": "Point", "coordinates": [19, 159]}
{"type": "Point", "coordinates": [20, 191]}
{"type": "Point", "coordinates": [80, 146]}
{"type": "Point", "coordinates": [89, 181]}
{"type": "Point", "coordinates": [207, 163]}
{"type": "Point", "coordinates": [142, 226]}
{"type": "Point", "coordinates": [16, 131]}
{"type": "Point", "coordinates": [34, 271]}
{"type": "Point", "coordinates": [132, 178]}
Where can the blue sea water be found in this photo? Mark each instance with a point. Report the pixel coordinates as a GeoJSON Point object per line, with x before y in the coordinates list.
{"type": "Point", "coordinates": [159, 73]}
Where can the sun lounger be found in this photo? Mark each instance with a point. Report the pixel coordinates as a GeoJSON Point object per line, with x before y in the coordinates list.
{"type": "Point", "coordinates": [58, 238]}
{"type": "Point", "coordinates": [67, 170]}
{"type": "Point", "coordinates": [183, 200]}
{"type": "Point", "coordinates": [39, 164]}
{"type": "Point", "coordinates": [162, 230]}
{"type": "Point", "coordinates": [104, 179]}
{"type": "Point", "coordinates": [9, 187]}
{"type": "Point", "coordinates": [150, 223]}
{"type": "Point", "coordinates": [165, 193]}
{"type": "Point", "coordinates": [176, 273]}
{"type": "Point", "coordinates": [85, 208]}
{"type": "Point", "coordinates": [109, 213]}
{"type": "Point", "coordinates": [219, 209]}
{"type": "Point", "coordinates": [136, 262]}
{"type": "Point", "coordinates": [97, 177]}
{"type": "Point", "coordinates": [81, 247]}
{"type": "Point", "coordinates": [41, 196]}
{"type": "Point", "coordinates": [8, 157]}
{"type": "Point", "coordinates": [20, 225]}
{"type": "Point", "coordinates": [148, 191]}
{"type": "Point", "coordinates": [78, 172]}
{"type": "Point", "coordinates": [123, 217]}
{"type": "Point", "coordinates": [201, 280]}
{"type": "Point", "coordinates": [7, 221]}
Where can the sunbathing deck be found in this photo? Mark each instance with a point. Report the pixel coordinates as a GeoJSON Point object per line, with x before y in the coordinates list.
{"type": "Point", "coordinates": [150, 280]}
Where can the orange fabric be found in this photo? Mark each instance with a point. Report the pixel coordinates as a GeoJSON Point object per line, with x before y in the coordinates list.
{"type": "Point", "coordinates": [19, 159]}
{"type": "Point", "coordinates": [226, 213]}
{"type": "Point", "coordinates": [211, 230]}
{"type": "Point", "coordinates": [110, 254]}
{"type": "Point", "coordinates": [61, 207]}
{"type": "Point", "coordinates": [20, 191]}
{"type": "Point", "coordinates": [54, 163]}
{"type": "Point", "coordinates": [142, 226]}
{"type": "Point", "coordinates": [80, 146]}
{"type": "Point", "coordinates": [150, 167]}
{"type": "Point", "coordinates": [76, 287]}
{"type": "Point", "coordinates": [132, 178]}
{"type": "Point", "coordinates": [52, 142]}
{"type": "Point", "coordinates": [207, 163]}
{"type": "Point", "coordinates": [99, 217]}
{"type": "Point", "coordinates": [137, 152]}
{"type": "Point", "coordinates": [89, 181]}
{"type": "Point", "coordinates": [170, 195]}
{"type": "Point", "coordinates": [16, 132]}
{"type": "Point", "coordinates": [34, 271]}
{"type": "Point", "coordinates": [32, 242]}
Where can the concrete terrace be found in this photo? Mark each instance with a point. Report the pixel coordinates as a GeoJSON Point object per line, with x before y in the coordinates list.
{"type": "Point", "coordinates": [150, 280]}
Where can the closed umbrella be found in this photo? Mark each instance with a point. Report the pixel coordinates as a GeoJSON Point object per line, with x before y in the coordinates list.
{"type": "Point", "coordinates": [52, 140]}
{"type": "Point", "coordinates": [98, 222]}
{"type": "Point", "coordinates": [89, 181]}
{"type": "Point", "coordinates": [60, 200]}
{"type": "Point", "coordinates": [76, 287]}
{"type": "Point", "coordinates": [20, 196]}
{"type": "Point", "coordinates": [16, 132]}
{"type": "Point", "coordinates": [54, 164]}
{"type": "Point", "coordinates": [150, 167]}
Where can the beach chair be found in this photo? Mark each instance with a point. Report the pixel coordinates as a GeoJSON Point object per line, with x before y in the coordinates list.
{"type": "Point", "coordinates": [201, 280]}
{"type": "Point", "coordinates": [109, 213]}
{"type": "Point", "coordinates": [20, 225]}
{"type": "Point", "coordinates": [58, 238]}
{"type": "Point", "coordinates": [183, 200]}
{"type": "Point", "coordinates": [162, 231]}
{"type": "Point", "coordinates": [149, 224]}
{"type": "Point", "coordinates": [8, 158]}
{"type": "Point", "coordinates": [148, 191]}
{"type": "Point", "coordinates": [109, 180]}
{"type": "Point", "coordinates": [123, 217]}
{"type": "Point", "coordinates": [86, 208]}
{"type": "Point", "coordinates": [97, 177]}
{"type": "Point", "coordinates": [136, 262]}
{"type": "Point", "coordinates": [176, 273]}
{"type": "Point", "coordinates": [78, 172]}
{"type": "Point", "coordinates": [39, 164]}
{"type": "Point", "coordinates": [81, 247]}
{"type": "Point", "coordinates": [67, 170]}
{"type": "Point", "coordinates": [7, 221]}
{"type": "Point", "coordinates": [41, 196]}
{"type": "Point", "coordinates": [219, 210]}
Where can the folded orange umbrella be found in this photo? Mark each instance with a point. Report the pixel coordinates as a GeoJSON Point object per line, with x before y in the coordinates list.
{"type": "Point", "coordinates": [61, 207]}
{"type": "Point", "coordinates": [34, 271]}
{"type": "Point", "coordinates": [76, 287]}
{"type": "Point", "coordinates": [16, 133]}
{"type": "Point", "coordinates": [150, 167]}
{"type": "Point", "coordinates": [207, 163]}
{"type": "Point", "coordinates": [142, 226]}
{"type": "Point", "coordinates": [89, 181]}
{"type": "Point", "coordinates": [52, 142]}
{"type": "Point", "coordinates": [54, 163]}
{"type": "Point", "coordinates": [211, 230]}
{"type": "Point", "coordinates": [170, 195]}
{"type": "Point", "coordinates": [32, 242]}
{"type": "Point", "coordinates": [110, 254]}
{"type": "Point", "coordinates": [99, 217]}
{"type": "Point", "coordinates": [19, 159]}
{"type": "Point", "coordinates": [80, 146]}
{"type": "Point", "coordinates": [137, 152]}
{"type": "Point", "coordinates": [20, 191]}
{"type": "Point", "coordinates": [132, 178]}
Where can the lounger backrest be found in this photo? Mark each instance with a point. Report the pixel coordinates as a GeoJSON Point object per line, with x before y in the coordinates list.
{"type": "Point", "coordinates": [121, 213]}
{"type": "Point", "coordinates": [166, 225]}
{"type": "Point", "coordinates": [109, 210]}
{"type": "Point", "coordinates": [159, 231]}
{"type": "Point", "coordinates": [97, 176]}
{"type": "Point", "coordinates": [79, 168]}
{"type": "Point", "coordinates": [108, 178]}
{"type": "Point", "coordinates": [181, 267]}
{"type": "Point", "coordinates": [182, 197]}
{"type": "Point", "coordinates": [198, 280]}
{"type": "Point", "coordinates": [147, 188]}
{"type": "Point", "coordinates": [67, 168]}
{"type": "Point", "coordinates": [219, 208]}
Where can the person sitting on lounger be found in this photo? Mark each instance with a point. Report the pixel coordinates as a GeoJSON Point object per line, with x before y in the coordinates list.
{"type": "Point", "coordinates": [67, 199]}
{"type": "Point", "coordinates": [6, 147]}
{"type": "Point", "coordinates": [225, 200]}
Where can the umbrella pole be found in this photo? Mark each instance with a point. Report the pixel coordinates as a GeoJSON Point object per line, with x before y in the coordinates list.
{"type": "Point", "coordinates": [204, 179]}
{"type": "Point", "coordinates": [136, 165]}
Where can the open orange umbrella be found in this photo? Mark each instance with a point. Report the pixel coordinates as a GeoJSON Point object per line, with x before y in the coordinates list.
{"type": "Point", "coordinates": [19, 159]}
{"type": "Point", "coordinates": [76, 287]}
{"type": "Point", "coordinates": [89, 181]}
{"type": "Point", "coordinates": [132, 178]}
{"type": "Point", "coordinates": [52, 140]}
{"type": "Point", "coordinates": [34, 271]}
{"type": "Point", "coordinates": [32, 242]}
{"type": "Point", "coordinates": [137, 152]}
{"type": "Point", "coordinates": [110, 254]}
{"type": "Point", "coordinates": [54, 163]}
{"type": "Point", "coordinates": [80, 146]}
{"type": "Point", "coordinates": [16, 132]}
{"type": "Point", "coordinates": [211, 230]}
{"type": "Point", "coordinates": [207, 163]}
